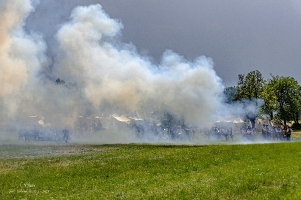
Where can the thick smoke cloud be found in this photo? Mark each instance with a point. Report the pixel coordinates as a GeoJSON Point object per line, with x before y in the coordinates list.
{"type": "Point", "coordinates": [112, 73]}
{"type": "Point", "coordinates": [99, 76]}
{"type": "Point", "coordinates": [21, 54]}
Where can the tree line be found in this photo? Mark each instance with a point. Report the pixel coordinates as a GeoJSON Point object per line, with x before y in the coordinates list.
{"type": "Point", "coordinates": [281, 96]}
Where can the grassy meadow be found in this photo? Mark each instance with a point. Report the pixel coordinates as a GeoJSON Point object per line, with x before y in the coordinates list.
{"type": "Point", "coordinates": [224, 171]}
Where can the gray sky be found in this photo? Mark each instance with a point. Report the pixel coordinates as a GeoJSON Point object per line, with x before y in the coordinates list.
{"type": "Point", "coordinates": [239, 35]}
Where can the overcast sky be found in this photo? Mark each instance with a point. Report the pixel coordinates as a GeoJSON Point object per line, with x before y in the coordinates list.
{"type": "Point", "coordinates": [239, 35]}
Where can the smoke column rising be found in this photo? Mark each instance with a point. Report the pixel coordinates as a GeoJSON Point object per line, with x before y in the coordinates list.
{"type": "Point", "coordinates": [106, 75]}
{"type": "Point", "coordinates": [113, 73]}
{"type": "Point", "coordinates": [21, 54]}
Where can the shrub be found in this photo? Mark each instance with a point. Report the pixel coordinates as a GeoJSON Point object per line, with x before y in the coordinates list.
{"type": "Point", "coordinates": [296, 126]}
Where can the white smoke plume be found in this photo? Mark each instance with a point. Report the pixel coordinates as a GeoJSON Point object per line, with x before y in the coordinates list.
{"type": "Point", "coordinates": [114, 74]}
{"type": "Point", "coordinates": [21, 54]}
{"type": "Point", "coordinates": [99, 76]}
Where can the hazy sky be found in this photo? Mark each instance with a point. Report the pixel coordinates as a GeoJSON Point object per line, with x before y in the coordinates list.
{"type": "Point", "coordinates": [239, 35]}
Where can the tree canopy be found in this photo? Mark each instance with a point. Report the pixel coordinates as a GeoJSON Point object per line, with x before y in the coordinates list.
{"type": "Point", "coordinates": [249, 86]}
{"type": "Point", "coordinates": [287, 92]}
{"type": "Point", "coordinates": [281, 95]}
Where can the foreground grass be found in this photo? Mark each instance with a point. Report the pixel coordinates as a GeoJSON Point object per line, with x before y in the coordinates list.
{"type": "Point", "coordinates": [265, 171]}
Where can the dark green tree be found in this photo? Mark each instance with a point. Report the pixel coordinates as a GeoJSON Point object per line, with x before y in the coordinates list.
{"type": "Point", "coordinates": [270, 99]}
{"type": "Point", "coordinates": [249, 86]}
{"type": "Point", "coordinates": [230, 94]}
{"type": "Point", "coordinates": [282, 96]}
{"type": "Point", "coordinates": [288, 94]}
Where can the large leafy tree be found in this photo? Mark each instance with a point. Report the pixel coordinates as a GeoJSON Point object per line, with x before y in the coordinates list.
{"type": "Point", "coordinates": [288, 94]}
{"type": "Point", "coordinates": [249, 88]}
{"type": "Point", "coordinates": [269, 97]}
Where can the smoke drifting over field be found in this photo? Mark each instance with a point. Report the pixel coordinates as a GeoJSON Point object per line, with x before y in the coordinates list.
{"type": "Point", "coordinates": [101, 75]}
{"type": "Point", "coordinates": [113, 73]}
{"type": "Point", "coordinates": [21, 54]}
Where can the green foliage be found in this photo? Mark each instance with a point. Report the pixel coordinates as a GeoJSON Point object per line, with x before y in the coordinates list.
{"type": "Point", "coordinates": [249, 89]}
{"type": "Point", "coordinates": [296, 126]}
{"type": "Point", "coordinates": [269, 171]}
{"type": "Point", "coordinates": [270, 99]}
{"type": "Point", "coordinates": [282, 94]}
{"type": "Point", "coordinates": [230, 94]}
{"type": "Point", "coordinates": [249, 86]}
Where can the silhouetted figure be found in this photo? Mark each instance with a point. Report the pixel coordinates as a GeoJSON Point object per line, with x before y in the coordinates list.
{"type": "Point", "coordinates": [278, 134]}
{"type": "Point", "coordinates": [231, 133]}
{"type": "Point", "coordinates": [264, 131]}
{"type": "Point", "coordinates": [288, 135]}
{"type": "Point", "coordinates": [66, 135]}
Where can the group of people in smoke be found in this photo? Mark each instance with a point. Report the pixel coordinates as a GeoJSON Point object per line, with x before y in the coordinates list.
{"type": "Point", "coordinates": [219, 133]}
{"type": "Point", "coordinates": [276, 133]}
{"type": "Point", "coordinates": [39, 133]}
{"type": "Point", "coordinates": [247, 133]}
{"type": "Point", "coordinates": [148, 129]}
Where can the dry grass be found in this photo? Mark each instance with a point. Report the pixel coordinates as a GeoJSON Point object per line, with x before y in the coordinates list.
{"type": "Point", "coordinates": [296, 135]}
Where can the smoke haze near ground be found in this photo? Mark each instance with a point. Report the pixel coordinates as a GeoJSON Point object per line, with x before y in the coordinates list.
{"type": "Point", "coordinates": [102, 76]}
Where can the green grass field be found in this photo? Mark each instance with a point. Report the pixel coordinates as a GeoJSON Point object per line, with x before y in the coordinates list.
{"type": "Point", "coordinates": [73, 171]}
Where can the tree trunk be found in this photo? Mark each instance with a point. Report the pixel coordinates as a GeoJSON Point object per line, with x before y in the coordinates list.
{"type": "Point", "coordinates": [282, 114]}
{"type": "Point", "coordinates": [296, 118]}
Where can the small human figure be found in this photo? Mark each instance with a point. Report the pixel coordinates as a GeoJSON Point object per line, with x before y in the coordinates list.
{"type": "Point", "coordinates": [278, 133]}
{"type": "Point", "coordinates": [66, 135]}
{"type": "Point", "coordinates": [224, 132]}
{"type": "Point", "coordinates": [249, 133]}
{"type": "Point", "coordinates": [284, 133]}
{"type": "Point", "coordinates": [231, 134]}
{"type": "Point", "coordinates": [289, 132]}
{"type": "Point", "coordinates": [264, 132]}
